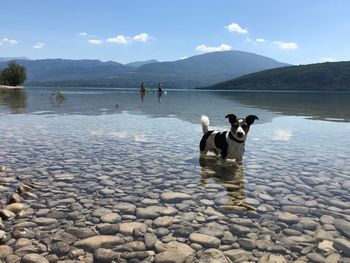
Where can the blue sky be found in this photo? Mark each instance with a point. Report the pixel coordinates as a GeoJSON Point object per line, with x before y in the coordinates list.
{"type": "Point", "coordinates": [296, 32]}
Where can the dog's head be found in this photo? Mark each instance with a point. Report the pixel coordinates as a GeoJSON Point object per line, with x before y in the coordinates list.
{"type": "Point", "coordinates": [239, 126]}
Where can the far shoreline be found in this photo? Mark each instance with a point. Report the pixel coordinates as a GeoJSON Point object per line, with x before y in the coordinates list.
{"type": "Point", "coordinates": [10, 87]}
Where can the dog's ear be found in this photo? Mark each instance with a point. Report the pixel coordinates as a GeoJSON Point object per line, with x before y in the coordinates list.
{"type": "Point", "coordinates": [250, 119]}
{"type": "Point", "coordinates": [231, 118]}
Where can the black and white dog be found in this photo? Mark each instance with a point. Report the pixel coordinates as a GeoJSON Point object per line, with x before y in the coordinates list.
{"type": "Point", "coordinates": [229, 144]}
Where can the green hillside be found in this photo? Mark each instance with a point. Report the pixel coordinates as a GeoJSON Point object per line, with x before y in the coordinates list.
{"type": "Point", "coordinates": [329, 76]}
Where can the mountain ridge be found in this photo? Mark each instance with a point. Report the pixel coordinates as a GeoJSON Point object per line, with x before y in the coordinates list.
{"type": "Point", "coordinates": [198, 70]}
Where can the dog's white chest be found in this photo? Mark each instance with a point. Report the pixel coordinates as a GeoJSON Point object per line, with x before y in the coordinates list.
{"type": "Point", "coordinates": [235, 150]}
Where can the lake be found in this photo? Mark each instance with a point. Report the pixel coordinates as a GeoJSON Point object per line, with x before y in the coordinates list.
{"type": "Point", "coordinates": [114, 163]}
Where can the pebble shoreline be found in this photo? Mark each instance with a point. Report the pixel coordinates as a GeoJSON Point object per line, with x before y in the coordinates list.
{"type": "Point", "coordinates": [81, 200]}
{"type": "Point", "coordinates": [43, 223]}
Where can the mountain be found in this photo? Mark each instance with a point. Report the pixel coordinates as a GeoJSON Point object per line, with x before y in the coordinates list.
{"type": "Point", "coordinates": [12, 58]}
{"type": "Point", "coordinates": [194, 71]}
{"type": "Point", "coordinates": [212, 67]}
{"type": "Point", "coordinates": [138, 64]}
{"type": "Point", "coordinates": [43, 70]}
{"type": "Point", "coordinates": [328, 76]}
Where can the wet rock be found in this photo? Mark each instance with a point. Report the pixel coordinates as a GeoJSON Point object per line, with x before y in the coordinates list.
{"type": "Point", "coordinates": [342, 245]}
{"type": "Point", "coordinates": [22, 242]}
{"type": "Point", "coordinates": [14, 198]}
{"type": "Point", "coordinates": [342, 226]}
{"type": "Point", "coordinates": [175, 252]}
{"type": "Point", "coordinates": [100, 212]}
{"type": "Point", "coordinates": [104, 255]}
{"type": "Point", "coordinates": [81, 232]}
{"type": "Point", "coordinates": [205, 240]}
{"type": "Point", "coordinates": [315, 257]}
{"type": "Point", "coordinates": [213, 255]}
{"type": "Point", "coordinates": [2, 234]}
{"type": "Point", "coordinates": [137, 255]}
{"type": "Point", "coordinates": [323, 235]}
{"type": "Point", "coordinates": [60, 248]}
{"type": "Point", "coordinates": [240, 230]}
{"type": "Point", "coordinates": [272, 258]}
{"type": "Point", "coordinates": [163, 221]}
{"type": "Point", "coordinates": [111, 218]}
{"type": "Point", "coordinates": [150, 240]}
{"type": "Point", "coordinates": [246, 243]}
{"type": "Point", "coordinates": [92, 243]}
{"type": "Point", "coordinates": [16, 207]}
{"type": "Point", "coordinates": [308, 224]}
{"type": "Point", "coordinates": [126, 208]}
{"type": "Point", "coordinates": [161, 232]}
{"type": "Point", "coordinates": [107, 229]}
{"type": "Point", "coordinates": [5, 251]}
{"type": "Point", "coordinates": [128, 227]}
{"type": "Point", "coordinates": [288, 218]}
{"type": "Point", "coordinates": [6, 214]}
{"type": "Point", "coordinates": [75, 253]}
{"type": "Point", "coordinates": [326, 246]}
{"type": "Point", "coordinates": [326, 219]}
{"type": "Point", "coordinates": [295, 209]}
{"type": "Point", "coordinates": [172, 197]}
{"type": "Point", "coordinates": [235, 254]}
{"type": "Point", "coordinates": [43, 221]}
{"type": "Point", "coordinates": [34, 258]}
{"type": "Point", "coordinates": [146, 213]}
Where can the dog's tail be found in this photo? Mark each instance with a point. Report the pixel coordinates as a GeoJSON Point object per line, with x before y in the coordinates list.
{"type": "Point", "coordinates": [205, 123]}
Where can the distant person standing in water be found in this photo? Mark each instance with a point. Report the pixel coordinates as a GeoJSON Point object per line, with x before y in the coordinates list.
{"type": "Point", "coordinates": [143, 87]}
{"type": "Point", "coordinates": [159, 87]}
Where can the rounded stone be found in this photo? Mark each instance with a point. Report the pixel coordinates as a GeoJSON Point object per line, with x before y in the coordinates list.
{"type": "Point", "coordinates": [16, 207]}
{"type": "Point", "coordinates": [128, 227]}
{"type": "Point", "coordinates": [104, 255]}
{"type": "Point", "coordinates": [5, 251]}
{"type": "Point", "coordinates": [92, 243]}
{"type": "Point", "coordinates": [205, 240]}
{"type": "Point", "coordinates": [213, 255]}
{"type": "Point", "coordinates": [111, 218]}
{"type": "Point", "coordinates": [34, 258]}
{"type": "Point", "coordinates": [174, 196]}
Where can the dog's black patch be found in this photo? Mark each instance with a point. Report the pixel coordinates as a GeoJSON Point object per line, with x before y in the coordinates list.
{"type": "Point", "coordinates": [221, 143]}
{"type": "Point", "coordinates": [204, 140]}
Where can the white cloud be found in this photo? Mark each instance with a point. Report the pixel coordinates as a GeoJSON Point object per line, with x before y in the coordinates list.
{"type": "Point", "coordinates": [222, 47]}
{"type": "Point", "coordinates": [95, 41]}
{"type": "Point", "coordinates": [120, 39]}
{"type": "Point", "coordinates": [183, 57]}
{"type": "Point", "coordinates": [143, 37]}
{"type": "Point", "coordinates": [233, 27]}
{"type": "Point", "coordinates": [283, 135]}
{"type": "Point", "coordinates": [286, 45]}
{"type": "Point", "coordinates": [82, 34]}
{"type": "Point", "coordinates": [7, 41]}
{"type": "Point", "coordinates": [39, 45]}
{"type": "Point", "coordinates": [260, 40]}
{"type": "Point", "coordinates": [328, 59]}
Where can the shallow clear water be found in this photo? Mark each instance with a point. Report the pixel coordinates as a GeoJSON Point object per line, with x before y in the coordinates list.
{"type": "Point", "coordinates": [297, 155]}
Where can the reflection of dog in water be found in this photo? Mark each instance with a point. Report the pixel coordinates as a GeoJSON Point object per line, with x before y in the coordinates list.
{"type": "Point", "coordinates": [231, 178]}
{"type": "Point", "coordinates": [227, 144]}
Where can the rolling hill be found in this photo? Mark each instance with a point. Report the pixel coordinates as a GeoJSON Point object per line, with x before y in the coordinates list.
{"type": "Point", "coordinates": [329, 76]}
{"type": "Point", "coordinates": [194, 71]}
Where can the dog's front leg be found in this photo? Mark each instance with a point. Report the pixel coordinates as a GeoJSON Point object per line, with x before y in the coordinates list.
{"type": "Point", "coordinates": [223, 162]}
{"type": "Point", "coordinates": [239, 160]}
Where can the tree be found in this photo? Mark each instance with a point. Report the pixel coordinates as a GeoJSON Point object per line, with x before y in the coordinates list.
{"type": "Point", "coordinates": [13, 75]}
